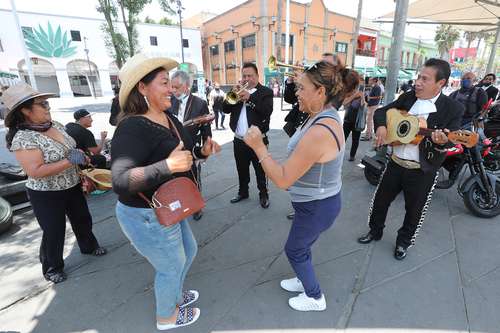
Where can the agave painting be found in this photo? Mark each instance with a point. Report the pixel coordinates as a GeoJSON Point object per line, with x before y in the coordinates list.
{"type": "Point", "coordinates": [49, 43]}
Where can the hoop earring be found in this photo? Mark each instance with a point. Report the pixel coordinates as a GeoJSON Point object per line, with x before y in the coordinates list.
{"type": "Point", "coordinates": [146, 100]}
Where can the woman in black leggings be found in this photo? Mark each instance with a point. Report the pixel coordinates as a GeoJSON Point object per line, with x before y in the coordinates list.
{"type": "Point", "coordinates": [353, 102]}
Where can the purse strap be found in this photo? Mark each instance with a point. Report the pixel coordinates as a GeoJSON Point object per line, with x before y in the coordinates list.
{"type": "Point", "coordinates": [149, 202]}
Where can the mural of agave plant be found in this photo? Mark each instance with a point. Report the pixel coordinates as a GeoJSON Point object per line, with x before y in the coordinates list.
{"type": "Point", "coordinates": [48, 43]}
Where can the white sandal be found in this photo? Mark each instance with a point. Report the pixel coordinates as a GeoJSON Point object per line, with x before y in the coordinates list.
{"type": "Point", "coordinates": [185, 317]}
{"type": "Point", "coordinates": [305, 303]}
{"type": "Point", "coordinates": [189, 297]}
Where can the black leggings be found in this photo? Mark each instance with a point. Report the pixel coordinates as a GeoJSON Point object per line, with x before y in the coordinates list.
{"type": "Point", "coordinates": [348, 128]}
{"type": "Point", "coordinates": [51, 209]}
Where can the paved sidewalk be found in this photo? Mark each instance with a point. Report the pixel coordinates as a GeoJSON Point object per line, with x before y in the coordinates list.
{"type": "Point", "coordinates": [450, 281]}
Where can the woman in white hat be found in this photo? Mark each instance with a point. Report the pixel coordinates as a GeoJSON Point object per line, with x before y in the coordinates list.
{"type": "Point", "coordinates": [48, 156]}
{"type": "Point", "coordinates": [146, 153]}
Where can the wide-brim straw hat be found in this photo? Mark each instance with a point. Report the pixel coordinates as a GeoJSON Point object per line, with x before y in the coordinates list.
{"type": "Point", "coordinates": [138, 67]}
{"type": "Point", "coordinates": [18, 94]}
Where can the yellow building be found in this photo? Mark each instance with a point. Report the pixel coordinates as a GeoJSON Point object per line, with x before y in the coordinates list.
{"type": "Point", "coordinates": [248, 33]}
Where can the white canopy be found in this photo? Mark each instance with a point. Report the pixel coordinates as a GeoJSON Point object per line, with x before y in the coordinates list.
{"type": "Point", "coordinates": [468, 15]}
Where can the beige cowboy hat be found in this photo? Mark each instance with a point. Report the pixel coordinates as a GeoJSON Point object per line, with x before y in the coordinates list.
{"type": "Point", "coordinates": [138, 67]}
{"type": "Point", "coordinates": [18, 94]}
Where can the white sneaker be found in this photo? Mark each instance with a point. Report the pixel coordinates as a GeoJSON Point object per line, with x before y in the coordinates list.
{"type": "Point", "coordinates": [305, 303]}
{"type": "Point", "coordinates": [294, 285]}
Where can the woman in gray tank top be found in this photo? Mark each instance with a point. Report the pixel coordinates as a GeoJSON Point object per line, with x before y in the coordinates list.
{"type": "Point", "coordinates": [311, 174]}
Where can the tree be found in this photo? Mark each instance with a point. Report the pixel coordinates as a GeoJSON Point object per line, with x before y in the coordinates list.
{"type": "Point", "coordinates": [446, 36]}
{"type": "Point", "coordinates": [167, 6]}
{"type": "Point", "coordinates": [130, 10]}
{"type": "Point", "coordinates": [149, 20]}
{"type": "Point", "coordinates": [469, 36]}
{"type": "Point", "coordinates": [166, 21]}
{"type": "Point", "coordinates": [113, 39]}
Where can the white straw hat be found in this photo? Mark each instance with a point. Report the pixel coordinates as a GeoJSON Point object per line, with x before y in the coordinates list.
{"type": "Point", "coordinates": [138, 67]}
{"type": "Point", "coordinates": [20, 93]}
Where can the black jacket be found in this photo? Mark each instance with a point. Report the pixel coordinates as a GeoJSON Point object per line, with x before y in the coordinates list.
{"type": "Point", "coordinates": [295, 117]}
{"type": "Point", "coordinates": [195, 107]}
{"type": "Point", "coordinates": [115, 110]}
{"type": "Point", "coordinates": [492, 92]}
{"type": "Point", "coordinates": [259, 109]}
{"type": "Point", "coordinates": [448, 116]}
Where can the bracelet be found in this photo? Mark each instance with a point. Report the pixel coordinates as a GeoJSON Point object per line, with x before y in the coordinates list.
{"type": "Point", "coordinates": [265, 157]}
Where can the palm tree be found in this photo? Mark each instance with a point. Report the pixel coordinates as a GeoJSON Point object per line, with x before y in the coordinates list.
{"type": "Point", "coordinates": [469, 36]}
{"type": "Point", "coordinates": [446, 36]}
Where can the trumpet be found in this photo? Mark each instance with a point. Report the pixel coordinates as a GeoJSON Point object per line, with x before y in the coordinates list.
{"type": "Point", "coordinates": [273, 65]}
{"type": "Point", "coordinates": [233, 97]}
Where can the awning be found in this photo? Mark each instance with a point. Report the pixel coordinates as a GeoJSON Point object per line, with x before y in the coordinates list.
{"type": "Point", "coordinates": [468, 15]}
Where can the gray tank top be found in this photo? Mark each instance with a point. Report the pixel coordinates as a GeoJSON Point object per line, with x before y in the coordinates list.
{"type": "Point", "coordinates": [322, 180]}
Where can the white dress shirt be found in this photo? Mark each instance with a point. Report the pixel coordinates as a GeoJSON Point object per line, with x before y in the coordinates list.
{"type": "Point", "coordinates": [182, 108]}
{"type": "Point", "coordinates": [242, 127]}
{"type": "Point", "coordinates": [422, 109]}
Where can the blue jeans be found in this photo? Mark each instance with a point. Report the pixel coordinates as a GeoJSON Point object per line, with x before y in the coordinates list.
{"type": "Point", "coordinates": [311, 219]}
{"type": "Point", "coordinates": [170, 250]}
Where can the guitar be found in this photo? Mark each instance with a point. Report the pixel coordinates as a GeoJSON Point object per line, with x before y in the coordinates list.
{"type": "Point", "coordinates": [201, 120]}
{"type": "Point", "coordinates": [404, 128]}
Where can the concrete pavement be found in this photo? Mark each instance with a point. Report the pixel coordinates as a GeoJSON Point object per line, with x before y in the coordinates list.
{"type": "Point", "coordinates": [448, 283]}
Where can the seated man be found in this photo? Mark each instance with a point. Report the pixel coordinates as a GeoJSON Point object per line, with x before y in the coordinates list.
{"type": "Point", "coordinates": [85, 139]}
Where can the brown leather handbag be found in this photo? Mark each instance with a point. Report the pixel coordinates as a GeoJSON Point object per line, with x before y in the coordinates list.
{"type": "Point", "coordinates": [176, 199]}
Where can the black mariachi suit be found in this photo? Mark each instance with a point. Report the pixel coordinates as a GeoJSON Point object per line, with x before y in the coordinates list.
{"type": "Point", "coordinates": [195, 107]}
{"type": "Point", "coordinates": [417, 184]}
{"type": "Point", "coordinates": [259, 108]}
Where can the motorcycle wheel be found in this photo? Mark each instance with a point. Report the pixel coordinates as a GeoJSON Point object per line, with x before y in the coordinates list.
{"type": "Point", "coordinates": [372, 175]}
{"type": "Point", "coordinates": [5, 215]}
{"type": "Point", "coordinates": [492, 165]}
{"type": "Point", "coordinates": [475, 201]}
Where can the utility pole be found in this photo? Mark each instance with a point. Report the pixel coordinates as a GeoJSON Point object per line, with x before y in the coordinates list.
{"type": "Point", "coordinates": [287, 39]}
{"type": "Point", "coordinates": [179, 11]}
{"type": "Point", "coordinates": [356, 32]}
{"type": "Point", "coordinates": [90, 68]}
{"type": "Point", "coordinates": [27, 59]}
{"type": "Point", "coordinates": [278, 30]}
{"type": "Point", "coordinates": [398, 34]}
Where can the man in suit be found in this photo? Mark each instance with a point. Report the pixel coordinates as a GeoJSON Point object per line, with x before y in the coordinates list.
{"type": "Point", "coordinates": [413, 168]}
{"type": "Point", "coordinates": [186, 106]}
{"type": "Point", "coordinates": [254, 108]}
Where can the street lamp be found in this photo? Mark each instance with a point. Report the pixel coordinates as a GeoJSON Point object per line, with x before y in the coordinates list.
{"type": "Point", "coordinates": [179, 11]}
{"type": "Point", "coordinates": [88, 63]}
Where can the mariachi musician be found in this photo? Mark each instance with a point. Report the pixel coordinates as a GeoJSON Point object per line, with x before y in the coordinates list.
{"type": "Point", "coordinates": [186, 106]}
{"type": "Point", "coordinates": [413, 168]}
{"type": "Point", "coordinates": [253, 106]}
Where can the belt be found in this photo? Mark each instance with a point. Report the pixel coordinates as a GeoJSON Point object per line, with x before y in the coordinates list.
{"type": "Point", "coordinates": [407, 164]}
{"type": "Point", "coordinates": [241, 137]}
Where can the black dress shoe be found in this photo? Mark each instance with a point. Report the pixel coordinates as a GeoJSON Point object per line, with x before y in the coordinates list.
{"type": "Point", "coordinates": [400, 252]}
{"type": "Point", "coordinates": [238, 198]}
{"type": "Point", "coordinates": [198, 215]}
{"type": "Point", "coordinates": [368, 238]}
{"type": "Point", "coordinates": [290, 216]}
{"type": "Point", "coordinates": [264, 200]}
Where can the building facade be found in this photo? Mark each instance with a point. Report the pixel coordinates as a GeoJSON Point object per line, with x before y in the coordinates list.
{"type": "Point", "coordinates": [415, 52]}
{"type": "Point", "coordinates": [69, 55]}
{"type": "Point", "coordinates": [248, 33]}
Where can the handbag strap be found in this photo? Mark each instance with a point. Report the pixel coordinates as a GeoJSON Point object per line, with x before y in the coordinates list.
{"type": "Point", "coordinates": [171, 123]}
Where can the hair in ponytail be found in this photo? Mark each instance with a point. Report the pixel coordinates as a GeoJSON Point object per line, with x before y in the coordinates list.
{"type": "Point", "coordinates": [336, 79]}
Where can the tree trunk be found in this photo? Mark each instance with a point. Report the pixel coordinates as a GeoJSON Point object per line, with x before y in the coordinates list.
{"type": "Point", "coordinates": [109, 20]}
{"type": "Point", "coordinates": [127, 28]}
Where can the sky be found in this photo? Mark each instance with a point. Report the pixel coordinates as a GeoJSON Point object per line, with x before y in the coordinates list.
{"type": "Point", "coordinates": [86, 8]}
